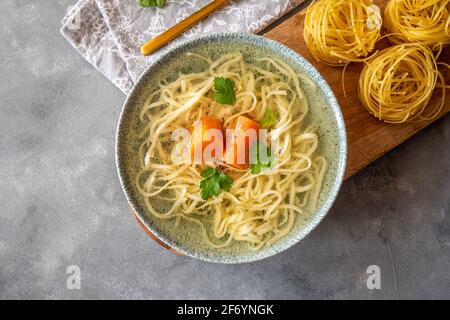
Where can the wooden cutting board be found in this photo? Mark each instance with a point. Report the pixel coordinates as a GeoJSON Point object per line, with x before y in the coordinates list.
{"type": "Point", "coordinates": [368, 138]}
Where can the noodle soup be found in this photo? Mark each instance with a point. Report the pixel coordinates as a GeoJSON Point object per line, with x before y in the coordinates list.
{"type": "Point", "coordinates": [259, 158]}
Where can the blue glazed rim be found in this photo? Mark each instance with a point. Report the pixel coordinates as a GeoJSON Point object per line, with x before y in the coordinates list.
{"type": "Point", "coordinates": [330, 99]}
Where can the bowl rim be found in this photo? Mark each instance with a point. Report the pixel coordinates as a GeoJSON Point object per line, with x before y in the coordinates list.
{"type": "Point", "coordinates": [330, 99]}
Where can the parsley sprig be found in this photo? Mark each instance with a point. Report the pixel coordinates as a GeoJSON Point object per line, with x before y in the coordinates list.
{"type": "Point", "coordinates": [258, 163]}
{"type": "Point", "coordinates": [268, 120]}
{"type": "Point", "coordinates": [152, 3]}
{"type": "Point", "coordinates": [224, 91]}
{"type": "Point", "coordinates": [213, 182]}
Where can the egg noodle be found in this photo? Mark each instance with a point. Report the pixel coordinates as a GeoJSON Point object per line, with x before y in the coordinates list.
{"type": "Point", "coordinates": [260, 208]}
{"type": "Point", "coordinates": [396, 85]}
{"type": "Point", "coordinates": [426, 21]}
{"type": "Point", "coordinates": [337, 32]}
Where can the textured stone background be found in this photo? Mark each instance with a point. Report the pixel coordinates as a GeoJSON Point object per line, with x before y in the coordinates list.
{"type": "Point", "coordinates": [61, 202]}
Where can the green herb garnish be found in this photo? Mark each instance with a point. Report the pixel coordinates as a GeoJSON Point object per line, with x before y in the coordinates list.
{"type": "Point", "coordinates": [152, 3]}
{"type": "Point", "coordinates": [224, 91]}
{"type": "Point", "coordinates": [268, 120]}
{"type": "Point", "coordinates": [213, 182]}
{"type": "Point", "coordinates": [258, 163]}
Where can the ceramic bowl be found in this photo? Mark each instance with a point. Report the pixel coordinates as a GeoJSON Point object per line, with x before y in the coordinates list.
{"type": "Point", "coordinates": [324, 111]}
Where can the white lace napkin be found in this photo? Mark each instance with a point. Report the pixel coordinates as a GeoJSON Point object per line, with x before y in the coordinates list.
{"type": "Point", "coordinates": [109, 33]}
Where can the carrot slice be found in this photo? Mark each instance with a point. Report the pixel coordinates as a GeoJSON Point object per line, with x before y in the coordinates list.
{"type": "Point", "coordinates": [243, 135]}
{"type": "Point", "coordinates": [204, 145]}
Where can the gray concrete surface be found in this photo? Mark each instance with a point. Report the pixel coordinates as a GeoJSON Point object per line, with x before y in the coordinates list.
{"type": "Point", "coordinates": [61, 202]}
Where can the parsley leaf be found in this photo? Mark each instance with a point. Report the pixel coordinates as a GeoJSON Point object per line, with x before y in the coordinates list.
{"type": "Point", "coordinates": [224, 91]}
{"type": "Point", "coordinates": [214, 181]}
{"type": "Point", "coordinates": [268, 120]}
{"type": "Point", "coordinates": [208, 172]}
{"type": "Point", "coordinates": [259, 164]}
{"type": "Point", "coordinates": [152, 3]}
{"type": "Point", "coordinates": [225, 181]}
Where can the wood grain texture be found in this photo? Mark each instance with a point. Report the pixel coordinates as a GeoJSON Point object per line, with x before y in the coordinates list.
{"type": "Point", "coordinates": [368, 138]}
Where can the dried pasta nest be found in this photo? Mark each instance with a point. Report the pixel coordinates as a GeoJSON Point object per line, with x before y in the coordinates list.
{"type": "Point", "coordinates": [341, 31]}
{"type": "Point", "coordinates": [426, 21]}
{"type": "Point", "coordinates": [396, 84]}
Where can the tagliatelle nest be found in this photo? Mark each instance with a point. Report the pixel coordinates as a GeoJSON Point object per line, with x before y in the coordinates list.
{"type": "Point", "coordinates": [396, 84]}
{"type": "Point", "coordinates": [426, 21]}
{"type": "Point", "coordinates": [341, 31]}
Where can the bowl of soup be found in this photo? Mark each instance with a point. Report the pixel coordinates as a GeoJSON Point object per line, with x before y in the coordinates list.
{"type": "Point", "coordinates": [231, 148]}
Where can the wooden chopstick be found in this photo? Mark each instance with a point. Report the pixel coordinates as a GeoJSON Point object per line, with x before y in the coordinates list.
{"type": "Point", "coordinates": [170, 34]}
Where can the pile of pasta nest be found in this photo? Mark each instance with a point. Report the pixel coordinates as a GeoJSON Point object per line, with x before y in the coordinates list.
{"type": "Point", "coordinates": [396, 84]}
